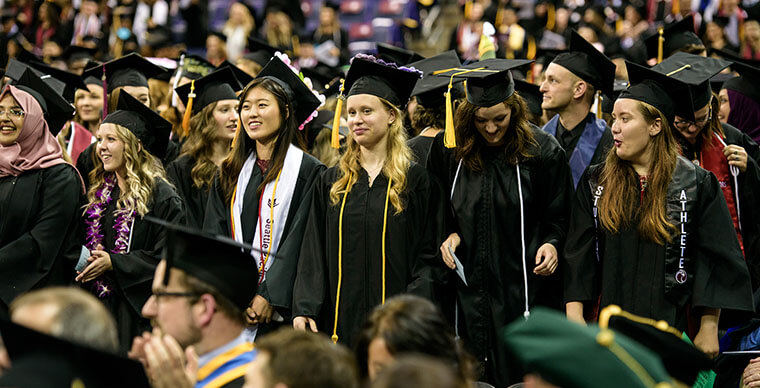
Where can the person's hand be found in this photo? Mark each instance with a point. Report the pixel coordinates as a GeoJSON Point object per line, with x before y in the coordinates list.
{"type": "Point", "coordinates": [546, 260]}
{"type": "Point", "coordinates": [178, 368]}
{"type": "Point", "coordinates": [100, 262]}
{"type": "Point", "coordinates": [301, 323]}
{"type": "Point", "coordinates": [452, 242]}
{"type": "Point", "coordinates": [259, 311]}
{"type": "Point", "coordinates": [137, 352]}
{"type": "Point", "coordinates": [751, 375]}
{"type": "Point", "coordinates": [707, 340]}
{"type": "Point", "coordinates": [736, 156]}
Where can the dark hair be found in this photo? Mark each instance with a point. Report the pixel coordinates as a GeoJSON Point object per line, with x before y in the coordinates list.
{"type": "Point", "coordinates": [223, 304]}
{"type": "Point", "coordinates": [416, 371]}
{"type": "Point", "coordinates": [423, 117]}
{"type": "Point", "coordinates": [411, 324]}
{"type": "Point", "coordinates": [306, 360]}
{"type": "Point", "coordinates": [243, 145]}
{"type": "Point", "coordinates": [519, 137]}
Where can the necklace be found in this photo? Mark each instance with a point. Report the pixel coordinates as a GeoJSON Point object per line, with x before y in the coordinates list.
{"type": "Point", "coordinates": [124, 220]}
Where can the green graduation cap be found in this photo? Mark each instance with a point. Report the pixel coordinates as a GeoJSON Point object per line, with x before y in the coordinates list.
{"type": "Point", "coordinates": [571, 355]}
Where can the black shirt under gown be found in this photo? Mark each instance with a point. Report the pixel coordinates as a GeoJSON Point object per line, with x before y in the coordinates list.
{"type": "Point", "coordinates": [132, 275]}
{"type": "Point", "coordinates": [568, 139]}
{"type": "Point", "coordinates": [632, 270]}
{"type": "Point", "coordinates": [486, 215]}
{"type": "Point", "coordinates": [40, 239]}
{"type": "Point", "coordinates": [411, 246]}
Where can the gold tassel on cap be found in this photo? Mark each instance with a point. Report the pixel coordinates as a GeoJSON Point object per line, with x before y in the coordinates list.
{"type": "Point", "coordinates": [449, 137]}
{"type": "Point", "coordinates": [335, 139]}
{"type": "Point", "coordinates": [599, 104]}
{"type": "Point", "coordinates": [467, 8]}
{"type": "Point", "coordinates": [660, 43]}
{"type": "Point", "coordinates": [188, 110]}
{"type": "Point", "coordinates": [237, 133]}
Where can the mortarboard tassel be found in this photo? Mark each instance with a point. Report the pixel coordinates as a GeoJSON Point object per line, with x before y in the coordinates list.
{"type": "Point", "coordinates": [467, 8]}
{"type": "Point", "coordinates": [237, 133]}
{"type": "Point", "coordinates": [105, 93]}
{"type": "Point", "coordinates": [188, 110]}
{"type": "Point", "coordinates": [599, 104]}
{"type": "Point", "coordinates": [660, 43]}
{"type": "Point", "coordinates": [449, 137]}
{"type": "Point", "coordinates": [550, 16]}
{"type": "Point", "coordinates": [335, 138]}
{"type": "Point", "coordinates": [676, 7]}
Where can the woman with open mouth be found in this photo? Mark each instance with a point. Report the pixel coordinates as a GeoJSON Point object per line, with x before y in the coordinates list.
{"type": "Point", "coordinates": [650, 231]}
{"type": "Point", "coordinates": [212, 125]}
{"type": "Point", "coordinates": [128, 183]}
{"type": "Point", "coordinates": [257, 196]}
{"type": "Point", "coordinates": [40, 193]}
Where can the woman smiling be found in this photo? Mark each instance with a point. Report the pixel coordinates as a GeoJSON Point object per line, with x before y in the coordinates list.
{"type": "Point", "coordinates": [370, 231]}
{"type": "Point", "coordinates": [256, 198]}
{"type": "Point", "coordinates": [127, 184]}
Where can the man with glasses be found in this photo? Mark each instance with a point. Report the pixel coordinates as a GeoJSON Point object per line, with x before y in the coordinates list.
{"type": "Point", "coordinates": [719, 148]}
{"type": "Point", "coordinates": [201, 289]}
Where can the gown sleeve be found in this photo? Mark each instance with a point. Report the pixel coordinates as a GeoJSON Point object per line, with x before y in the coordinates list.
{"type": "Point", "coordinates": [35, 251]}
{"type": "Point", "coordinates": [282, 273]}
{"type": "Point", "coordinates": [580, 268]}
{"type": "Point", "coordinates": [721, 276]}
{"type": "Point", "coordinates": [216, 219]}
{"type": "Point", "coordinates": [554, 191]}
{"type": "Point", "coordinates": [134, 270]}
{"type": "Point", "coordinates": [429, 203]}
{"type": "Point", "coordinates": [84, 164]}
{"type": "Point", "coordinates": [310, 285]}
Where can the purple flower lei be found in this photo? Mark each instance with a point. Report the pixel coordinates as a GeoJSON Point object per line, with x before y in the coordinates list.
{"type": "Point", "coordinates": [370, 58]}
{"type": "Point", "coordinates": [122, 225]}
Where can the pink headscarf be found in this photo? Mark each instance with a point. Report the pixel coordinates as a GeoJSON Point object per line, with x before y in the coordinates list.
{"type": "Point", "coordinates": [36, 148]}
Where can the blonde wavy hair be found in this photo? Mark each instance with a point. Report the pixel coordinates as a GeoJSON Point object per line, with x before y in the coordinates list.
{"type": "Point", "coordinates": [142, 171]}
{"type": "Point", "coordinates": [397, 163]}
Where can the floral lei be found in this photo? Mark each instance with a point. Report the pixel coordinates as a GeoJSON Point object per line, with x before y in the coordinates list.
{"type": "Point", "coordinates": [122, 226]}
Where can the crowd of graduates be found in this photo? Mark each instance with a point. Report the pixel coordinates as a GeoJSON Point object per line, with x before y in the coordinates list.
{"type": "Point", "coordinates": [566, 197]}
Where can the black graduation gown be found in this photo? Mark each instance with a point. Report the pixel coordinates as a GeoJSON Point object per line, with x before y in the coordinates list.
{"type": "Point", "coordinates": [411, 246]}
{"type": "Point", "coordinates": [39, 237]}
{"type": "Point", "coordinates": [85, 164]}
{"type": "Point", "coordinates": [179, 174]}
{"type": "Point", "coordinates": [420, 146]}
{"type": "Point", "coordinates": [277, 288]}
{"type": "Point", "coordinates": [749, 196]}
{"type": "Point", "coordinates": [633, 270]}
{"type": "Point", "coordinates": [486, 215]}
{"type": "Point", "coordinates": [132, 275]}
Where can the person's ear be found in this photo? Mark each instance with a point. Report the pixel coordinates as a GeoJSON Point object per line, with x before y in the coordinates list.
{"type": "Point", "coordinates": [391, 116]}
{"type": "Point", "coordinates": [204, 309]}
{"type": "Point", "coordinates": [655, 128]}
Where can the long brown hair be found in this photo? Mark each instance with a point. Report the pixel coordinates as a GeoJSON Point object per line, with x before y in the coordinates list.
{"type": "Point", "coordinates": [618, 204]}
{"type": "Point", "coordinates": [397, 162]}
{"type": "Point", "coordinates": [244, 145]}
{"type": "Point", "coordinates": [518, 139]}
{"type": "Point", "coordinates": [200, 146]}
{"type": "Point", "coordinates": [713, 125]}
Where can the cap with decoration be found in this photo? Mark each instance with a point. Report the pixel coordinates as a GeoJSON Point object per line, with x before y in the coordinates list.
{"type": "Point", "coordinates": [304, 101]}
{"type": "Point", "coordinates": [568, 354]}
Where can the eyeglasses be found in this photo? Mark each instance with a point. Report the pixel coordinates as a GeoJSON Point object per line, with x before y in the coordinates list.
{"type": "Point", "coordinates": [685, 124]}
{"type": "Point", "coordinates": [13, 113]}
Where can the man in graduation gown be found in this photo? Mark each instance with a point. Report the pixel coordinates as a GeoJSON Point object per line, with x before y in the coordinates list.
{"type": "Point", "coordinates": [570, 85]}
{"type": "Point", "coordinates": [129, 74]}
{"type": "Point", "coordinates": [199, 301]}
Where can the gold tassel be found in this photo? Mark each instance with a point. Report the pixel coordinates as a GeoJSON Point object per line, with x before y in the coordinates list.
{"type": "Point", "coordinates": [676, 7]}
{"type": "Point", "coordinates": [237, 133]}
{"type": "Point", "coordinates": [660, 43]}
{"type": "Point", "coordinates": [335, 140]}
{"type": "Point", "coordinates": [467, 8]}
{"type": "Point", "coordinates": [188, 110]}
{"type": "Point", "coordinates": [599, 105]}
{"type": "Point", "coordinates": [550, 17]}
{"type": "Point", "coordinates": [449, 137]}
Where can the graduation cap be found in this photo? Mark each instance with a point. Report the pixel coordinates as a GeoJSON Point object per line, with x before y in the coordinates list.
{"type": "Point", "coordinates": [159, 37]}
{"type": "Point", "coordinates": [75, 53]}
{"type": "Point", "coordinates": [749, 75]}
{"type": "Point", "coordinates": [242, 77]}
{"type": "Point", "coordinates": [16, 69]}
{"type": "Point", "coordinates": [430, 89]}
{"type": "Point", "coordinates": [261, 51]}
{"type": "Point", "coordinates": [71, 81]}
{"type": "Point", "coordinates": [682, 360]}
{"type": "Point", "coordinates": [672, 38]}
{"type": "Point", "coordinates": [608, 103]}
{"type": "Point", "coordinates": [653, 88]}
{"type": "Point", "coordinates": [545, 56]}
{"type": "Point", "coordinates": [397, 55]}
{"type": "Point", "coordinates": [488, 82]}
{"type": "Point", "coordinates": [129, 70]}
{"type": "Point", "coordinates": [303, 99]}
{"type": "Point", "coordinates": [588, 63]}
{"type": "Point", "coordinates": [216, 86]}
{"type": "Point", "coordinates": [56, 109]}
{"type": "Point", "coordinates": [324, 78]}
{"type": "Point", "coordinates": [148, 126]}
{"type": "Point", "coordinates": [197, 253]}
{"type": "Point", "coordinates": [695, 71]}
{"type": "Point", "coordinates": [219, 35]}
{"type": "Point", "coordinates": [43, 361]}
{"type": "Point", "coordinates": [193, 67]}
{"type": "Point", "coordinates": [568, 354]}
{"type": "Point", "coordinates": [532, 96]}
{"type": "Point", "coordinates": [335, 5]}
